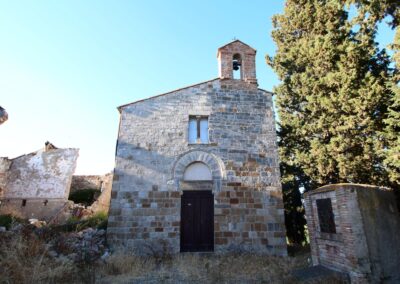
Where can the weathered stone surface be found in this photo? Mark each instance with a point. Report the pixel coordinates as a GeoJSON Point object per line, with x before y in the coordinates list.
{"type": "Point", "coordinates": [37, 185]}
{"type": "Point", "coordinates": [103, 183]}
{"type": "Point", "coordinates": [5, 164]}
{"type": "Point", "coordinates": [365, 243]}
{"type": "Point", "coordinates": [153, 153]}
{"type": "Point", "coordinates": [247, 56]}
{"type": "Point", "coordinates": [80, 182]}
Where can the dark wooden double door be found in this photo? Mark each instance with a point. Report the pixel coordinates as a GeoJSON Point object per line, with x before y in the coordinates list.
{"type": "Point", "coordinates": [197, 221]}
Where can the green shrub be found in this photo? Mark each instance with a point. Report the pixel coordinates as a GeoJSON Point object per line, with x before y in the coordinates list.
{"type": "Point", "coordinates": [99, 221]}
{"type": "Point", "coordinates": [84, 196]}
{"type": "Point", "coordinates": [94, 221]}
{"type": "Point", "coordinates": [102, 220]}
{"type": "Point", "coordinates": [6, 220]}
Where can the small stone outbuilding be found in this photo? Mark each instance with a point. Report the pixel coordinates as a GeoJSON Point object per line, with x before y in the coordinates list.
{"type": "Point", "coordinates": [355, 229]}
{"type": "Point", "coordinates": [197, 168]}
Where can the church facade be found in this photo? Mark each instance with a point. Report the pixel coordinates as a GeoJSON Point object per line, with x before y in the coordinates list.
{"type": "Point", "coordinates": [197, 168]}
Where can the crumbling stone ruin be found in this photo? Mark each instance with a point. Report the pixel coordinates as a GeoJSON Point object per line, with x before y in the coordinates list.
{"type": "Point", "coordinates": [197, 168]}
{"type": "Point", "coordinates": [99, 186]}
{"type": "Point", "coordinates": [355, 229]}
{"type": "Point", "coordinates": [37, 185]}
{"type": "Point", "coordinates": [3, 115]}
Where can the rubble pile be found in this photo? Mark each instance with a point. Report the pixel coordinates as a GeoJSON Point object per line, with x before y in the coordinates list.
{"type": "Point", "coordinates": [86, 246]}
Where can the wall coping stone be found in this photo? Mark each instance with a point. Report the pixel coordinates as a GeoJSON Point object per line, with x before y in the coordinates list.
{"type": "Point", "coordinates": [345, 186]}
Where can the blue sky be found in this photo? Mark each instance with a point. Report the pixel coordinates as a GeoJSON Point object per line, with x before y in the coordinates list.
{"type": "Point", "coordinates": [66, 65]}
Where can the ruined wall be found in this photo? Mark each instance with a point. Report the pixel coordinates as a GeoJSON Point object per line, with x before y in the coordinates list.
{"type": "Point", "coordinates": [103, 183]}
{"type": "Point", "coordinates": [80, 182]}
{"type": "Point", "coordinates": [43, 174]}
{"type": "Point", "coordinates": [5, 164]}
{"type": "Point", "coordinates": [153, 141]}
{"type": "Point", "coordinates": [38, 184]}
{"type": "Point", "coordinates": [367, 232]}
{"type": "Point", "coordinates": [102, 204]}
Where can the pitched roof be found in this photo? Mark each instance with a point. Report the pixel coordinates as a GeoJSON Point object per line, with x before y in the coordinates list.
{"type": "Point", "coordinates": [187, 87]}
{"type": "Point", "coordinates": [163, 94]}
{"type": "Point", "coordinates": [176, 90]}
{"type": "Point", "coordinates": [236, 40]}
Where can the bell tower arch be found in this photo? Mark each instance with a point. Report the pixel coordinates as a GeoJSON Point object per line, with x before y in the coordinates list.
{"type": "Point", "coordinates": [237, 60]}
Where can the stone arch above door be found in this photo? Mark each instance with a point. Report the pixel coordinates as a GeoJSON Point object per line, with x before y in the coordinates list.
{"type": "Point", "coordinates": [214, 163]}
{"type": "Point", "coordinates": [197, 171]}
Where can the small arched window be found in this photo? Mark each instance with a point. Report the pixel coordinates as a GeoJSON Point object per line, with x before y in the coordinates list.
{"type": "Point", "coordinates": [237, 66]}
{"type": "Point", "coordinates": [197, 171]}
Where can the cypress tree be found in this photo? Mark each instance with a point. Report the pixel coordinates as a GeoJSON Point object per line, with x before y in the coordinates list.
{"type": "Point", "coordinates": [333, 97]}
{"type": "Point", "coordinates": [370, 14]}
{"type": "Point", "coordinates": [392, 130]}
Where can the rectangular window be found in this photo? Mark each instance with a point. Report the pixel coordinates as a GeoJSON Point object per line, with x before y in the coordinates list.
{"type": "Point", "coordinates": [192, 130]}
{"type": "Point", "coordinates": [325, 216]}
{"type": "Point", "coordinates": [204, 130]}
{"type": "Point", "coordinates": [198, 129]}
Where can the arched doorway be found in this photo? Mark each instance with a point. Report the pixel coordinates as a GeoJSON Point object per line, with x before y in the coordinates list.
{"type": "Point", "coordinates": [197, 209]}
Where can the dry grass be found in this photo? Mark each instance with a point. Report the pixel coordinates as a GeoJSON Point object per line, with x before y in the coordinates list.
{"type": "Point", "coordinates": [185, 268]}
{"type": "Point", "coordinates": [128, 265]}
{"type": "Point", "coordinates": [24, 259]}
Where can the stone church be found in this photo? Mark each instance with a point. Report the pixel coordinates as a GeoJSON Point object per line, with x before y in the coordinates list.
{"type": "Point", "coordinates": [197, 168]}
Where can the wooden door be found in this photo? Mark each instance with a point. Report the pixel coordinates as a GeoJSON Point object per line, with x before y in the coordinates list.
{"type": "Point", "coordinates": [197, 221]}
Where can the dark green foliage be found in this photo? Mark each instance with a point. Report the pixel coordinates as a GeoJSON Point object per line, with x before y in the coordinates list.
{"type": "Point", "coordinates": [392, 130]}
{"type": "Point", "coordinates": [377, 10]}
{"type": "Point", "coordinates": [333, 99]}
{"type": "Point", "coordinates": [6, 220]}
{"type": "Point", "coordinates": [294, 211]}
{"type": "Point", "coordinates": [99, 221]}
{"type": "Point", "coordinates": [84, 196]}
{"type": "Point", "coordinates": [374, 11]}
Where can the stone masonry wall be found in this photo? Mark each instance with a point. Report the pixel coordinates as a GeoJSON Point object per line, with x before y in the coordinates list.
{"type": "Point", "coordinates": [242, 153]}
{"type": "Point", "coordinates": [103, 183]}
{"type": "Point", "coordinates": [37, 184]}
{"type": "Point", "coordinates": [248, 67]}
{"type": "Point", "coordinates": [328, 249]}
{"type": "Point", "coordinates": [5, 164]}
{"type": "Point", "coordinates": [381, 220]}
{"type": "Point", "coordinates": [351, 248]}
{"type": "Point", "coordinates": [80, 182]}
